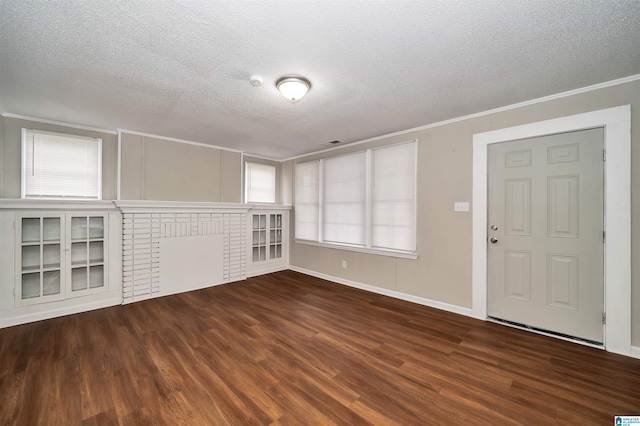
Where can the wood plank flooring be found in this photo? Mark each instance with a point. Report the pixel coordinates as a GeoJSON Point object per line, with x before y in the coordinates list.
{"type": "Point", "coordinates": [289, 349]}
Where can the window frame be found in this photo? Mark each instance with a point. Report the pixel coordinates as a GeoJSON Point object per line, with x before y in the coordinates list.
{"type": "Point", "coordinates": [23, 166]}
{"type": "Point", "coordinates": [367, 248]}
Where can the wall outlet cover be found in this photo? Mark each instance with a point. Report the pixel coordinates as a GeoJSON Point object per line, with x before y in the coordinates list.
{"type": "Point", "coordinates": [461, 206]}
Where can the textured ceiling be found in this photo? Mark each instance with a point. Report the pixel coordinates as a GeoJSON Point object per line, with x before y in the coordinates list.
{"type": "Point", "coordinates": [181, 68]}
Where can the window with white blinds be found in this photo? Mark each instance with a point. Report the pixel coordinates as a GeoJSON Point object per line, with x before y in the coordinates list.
{"type": "Point", "coordinates": [56, 165]}
{"type": "Point", "coordinates": [366, 199]}
{"type": "Point", "coordinates": [259, 183]}
{"type": "Point", "coordinates": [307, 199]}
{"type": "Point", "coordinates": [344, 199]}
{"type": "Point", "coordinates": [393, 197]}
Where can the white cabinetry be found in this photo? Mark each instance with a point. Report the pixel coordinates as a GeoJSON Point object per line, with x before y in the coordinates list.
{"type": "Point", "coordinates": [60, 256]}
{"type": "Point", "coordinates": [268, 239]}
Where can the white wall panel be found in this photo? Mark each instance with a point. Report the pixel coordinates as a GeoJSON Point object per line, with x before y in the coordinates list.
{"type": "Point", "coordinates": [144, 235]}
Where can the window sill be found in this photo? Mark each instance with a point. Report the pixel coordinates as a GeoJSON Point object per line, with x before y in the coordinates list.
{"type": "Point", "coordinates": [376, 251]}
{"type": "Point", "coordinates": [51, 204]}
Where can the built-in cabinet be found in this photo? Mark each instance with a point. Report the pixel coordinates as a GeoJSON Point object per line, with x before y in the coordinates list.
{"type": "Point", "coordinates": [60, 256]}
{"type": "Point", "coordinates": [268, 238]}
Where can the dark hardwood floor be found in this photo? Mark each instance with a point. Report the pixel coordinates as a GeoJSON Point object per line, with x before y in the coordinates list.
{"type": "Point", "coordinates": [286, 349]}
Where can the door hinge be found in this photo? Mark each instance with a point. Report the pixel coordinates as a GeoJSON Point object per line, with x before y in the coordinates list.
{"type": "Point", "coordinates": [604, 318]}
{"type": "Point", "coordinates": [604, 155]}
{"type": "Point", "coordinates": [604, 236]}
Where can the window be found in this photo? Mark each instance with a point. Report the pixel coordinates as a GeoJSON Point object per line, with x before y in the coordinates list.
{"type": "Point", "coordinates": [56, 165]}
{"type": "Point", "coordinates": [259, 183]}
{"type": "Point", "coordinates": [307, 201]}
{"type": "Point", "coordinates": [344, 199]}
{"type": "Point", "coordinates": [366, 199]}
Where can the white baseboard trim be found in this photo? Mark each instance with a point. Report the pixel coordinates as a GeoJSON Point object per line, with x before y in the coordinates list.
{"type": "Point", "coordinates": [391, 293]}
{"type": "Point", "coordinates": [635, 352]}
{"type": "Point", "coordinates": [60, 312]}
{"type": "Point", "coordinates": [267, 270]}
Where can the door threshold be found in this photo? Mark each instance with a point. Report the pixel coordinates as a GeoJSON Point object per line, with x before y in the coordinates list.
{"type": "Point", "coordinates": [561, 336]}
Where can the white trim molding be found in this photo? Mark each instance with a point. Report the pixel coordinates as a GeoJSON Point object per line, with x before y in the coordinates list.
{"type": "Point", "coordinates": [268, 269]}
{"type": "Point", "coordinates": [385, 292]}
{"type": "Point", "coordinates": [59, 123]}
{"type": "Point", "coordinates": [166, 138]}
{"type": "Point", "coordinates": [635, 351]}
{"type": "Point", "coordinates": [113, 298]}
{"type": "Point", "coordinates": [560, 95]}
{"type": "Point", "coordinates": [50, 204]}
{"type": "Point", "coordinates": [144, 206]}
{"type": "Point", "coordinates": [617, 140]}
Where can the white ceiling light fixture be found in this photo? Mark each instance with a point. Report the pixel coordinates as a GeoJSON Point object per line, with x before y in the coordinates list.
{"type": "Point", "coordinates": [293, 88]}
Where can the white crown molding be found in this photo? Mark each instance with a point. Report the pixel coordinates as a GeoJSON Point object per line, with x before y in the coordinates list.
{"type": "Point", "coordinates": [149, 135]}
{"type": "Point", "coordinates": [58, 123]}
{"type": "Point", "coordinates": [259, 157]}
{"type": "Point", "coordinates": [560, 95]}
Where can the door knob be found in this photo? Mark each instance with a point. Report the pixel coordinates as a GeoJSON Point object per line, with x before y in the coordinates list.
{"type": "Point", "coordinates": [493, 240]}
{"type": "Point", "coordinates": [494, 227]}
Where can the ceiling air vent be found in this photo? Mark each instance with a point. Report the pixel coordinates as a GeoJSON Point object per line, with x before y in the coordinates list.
{"type": "Point", "coordinates": [334, 142]}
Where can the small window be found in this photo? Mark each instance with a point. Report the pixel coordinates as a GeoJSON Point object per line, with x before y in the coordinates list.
{"type": "Point", "coordinates": [259, 183]}
{"type": "Point", "coordinates": [56, 165]}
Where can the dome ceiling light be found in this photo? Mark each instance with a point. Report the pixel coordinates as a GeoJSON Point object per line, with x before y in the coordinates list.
{"type": "Point", "coordinates": [293, 88]}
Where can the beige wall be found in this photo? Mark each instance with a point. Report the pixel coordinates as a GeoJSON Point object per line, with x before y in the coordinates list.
{"type": "Point", "coordinates": [11, 147]}
{"type": "Point", "coordinates": [165, 170]}
{"type": "Point", "coordinates": [442, 271]}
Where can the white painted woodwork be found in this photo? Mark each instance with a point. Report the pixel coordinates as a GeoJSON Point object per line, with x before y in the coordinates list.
{"type": "Point", "coordinates": [268, 242]}
{"type": "Point", "coordinates": [190, 263]}
{"type": "Point", "coordinates": [60, 255]}
{"type": "Point", "coordinates": [616, 122]}
{"type": "Point", "coordinates": [146, 235]}
{"type": "Point", "coordinates": [52, 255]}
{"type": "Point", "coordinates": [546, 200]}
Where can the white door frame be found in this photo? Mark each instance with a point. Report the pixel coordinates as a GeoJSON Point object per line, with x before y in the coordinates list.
{"type": "Point", "coordinates": [617, 212]}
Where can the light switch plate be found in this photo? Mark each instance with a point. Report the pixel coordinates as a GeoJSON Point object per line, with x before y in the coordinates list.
{"type": "Point", "coordinates": [461, 206]}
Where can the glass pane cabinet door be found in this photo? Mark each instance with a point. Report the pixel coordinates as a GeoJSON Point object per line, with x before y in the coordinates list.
{"type": "Point", "coordinates": [267, 236]}
{"type": "Point", "coordinates": [59, 256]}
{"type": "Point", "coordinates": [40, 260]}
{"type": "Point", "coordinates": [259, 238]}
{"type": "Point", "coordinates": [87, 253]}
{"type": "Point", "coordinates": [275, 240]}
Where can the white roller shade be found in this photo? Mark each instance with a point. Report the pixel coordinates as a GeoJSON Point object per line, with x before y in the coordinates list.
{"type": "Point", "coordinates": [307, 200]}
{"type": "Point", "coordinates": [393, 197]}
{"type": "Point", "coordinates": [344, 219]}
{"type": "Point", "coordinates": [60, 166]}
{"type": "Point", "coordinates": [260, 183]}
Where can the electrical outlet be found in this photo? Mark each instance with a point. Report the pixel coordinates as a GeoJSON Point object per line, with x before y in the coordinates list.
{"type": "Point", "coordinates": [344, 264]}
{"type": "Point", "coordinates": [461, 206]}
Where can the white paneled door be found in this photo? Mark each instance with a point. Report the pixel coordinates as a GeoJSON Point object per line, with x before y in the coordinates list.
{"type": "Point", "coordinates": [545, 236]}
